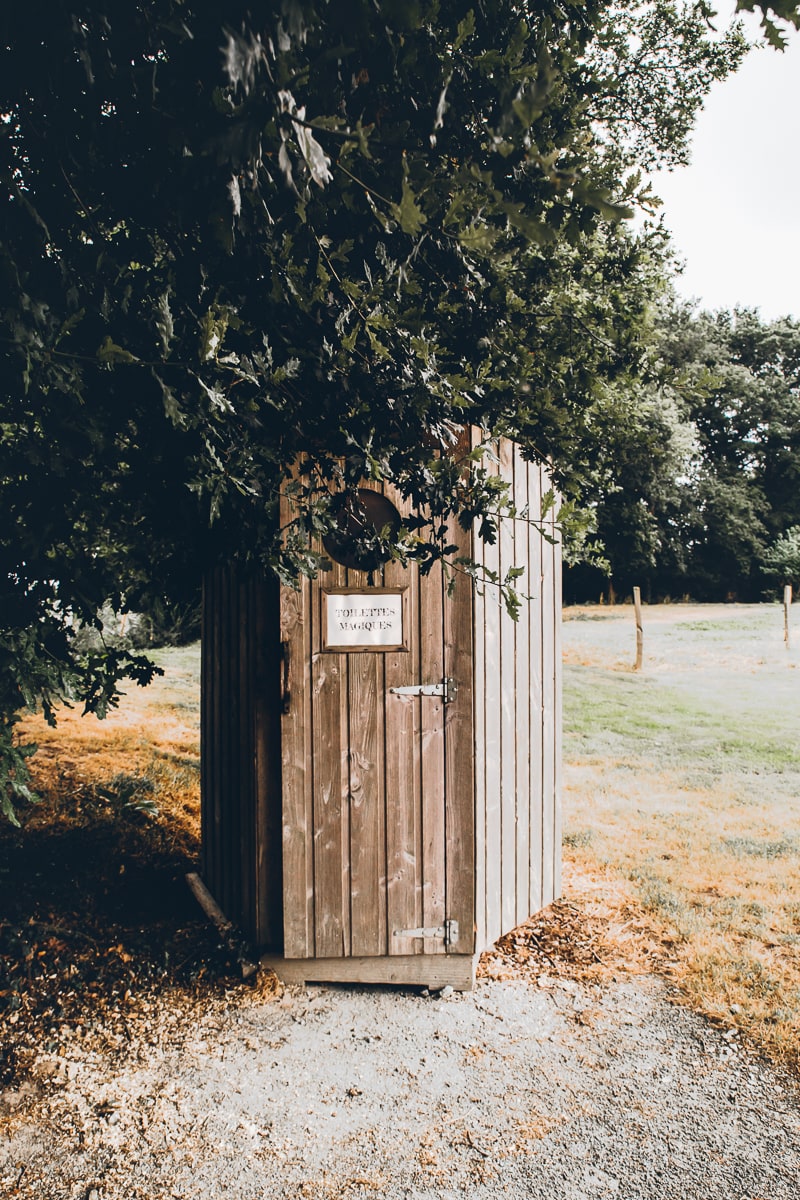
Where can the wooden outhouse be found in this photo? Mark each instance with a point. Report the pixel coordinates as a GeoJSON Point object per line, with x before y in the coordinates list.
{"type": "Point", "coordinates": [381, 756]}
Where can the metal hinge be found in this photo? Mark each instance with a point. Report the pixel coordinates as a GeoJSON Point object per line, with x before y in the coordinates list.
{"type": "Point", "coordinates": [447, 933]}
{"type": "Point", "coordinates": [447, 689]}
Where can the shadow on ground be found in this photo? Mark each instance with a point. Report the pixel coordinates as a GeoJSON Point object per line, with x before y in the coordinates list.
{"type": "Point", "coordinates": [95, 919]}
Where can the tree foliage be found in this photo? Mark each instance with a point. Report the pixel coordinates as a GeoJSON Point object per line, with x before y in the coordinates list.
{"type": "Point", "coordinates": [705, 507]}
{"type": "Point", "coordinates": [233, 235]}
{"type": "Point", "coordinates": [783, 11]}
{"type": "Point", "coordinates": [782, 558]}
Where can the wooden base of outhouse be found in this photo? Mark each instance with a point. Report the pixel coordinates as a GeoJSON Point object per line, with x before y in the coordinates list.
{"type": "Point", "coordinates": [433, 971]}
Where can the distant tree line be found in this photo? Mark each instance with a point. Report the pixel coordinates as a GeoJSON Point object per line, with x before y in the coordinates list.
{"type": "Point", "coordinates": [703, 499]}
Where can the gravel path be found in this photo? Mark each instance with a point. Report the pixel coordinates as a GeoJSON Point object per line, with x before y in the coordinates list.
{"type": "Point", "coordinates": [560, 1091]}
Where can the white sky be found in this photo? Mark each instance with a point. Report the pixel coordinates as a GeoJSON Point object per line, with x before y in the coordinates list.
{"type": "Point", "coordinates": [734, 213]}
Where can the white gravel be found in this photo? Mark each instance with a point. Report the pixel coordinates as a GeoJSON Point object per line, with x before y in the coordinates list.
{"type": "Point", "coordinates": [558, 1091]}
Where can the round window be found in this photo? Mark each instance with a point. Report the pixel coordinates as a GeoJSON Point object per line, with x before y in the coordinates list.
{"type": "Point", "coordinates": [356, 541]}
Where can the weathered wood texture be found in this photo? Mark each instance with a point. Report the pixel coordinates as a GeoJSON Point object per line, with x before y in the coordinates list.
{"type": "Point", "coordinates": [341, 818]}
{"type": "Point", "coordinates": [240, 738]}
{"type": "Point", "coordinates": [378, 793]}
{"type": "Point", "coordinates": [637, 608]}
{"type": "Point", "coordinates": [459, 773]}
{"type": "Point", "coordinates": [517, 729]}
{"type": "Point", "coordinates": [424, 970]}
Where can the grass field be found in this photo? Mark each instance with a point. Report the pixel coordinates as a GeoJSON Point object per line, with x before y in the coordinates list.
{"type": "Point", "coordinates": [147, 748]}
{"type": "Point", "coordinates": [681, 824]}
{"type": "Point", "coordinates": [684, 780]}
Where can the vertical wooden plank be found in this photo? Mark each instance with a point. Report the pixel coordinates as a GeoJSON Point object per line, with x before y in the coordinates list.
{"type": "Point", "coordinates": [205, 726]}
{"type": "Point", "coordinates": [637, 609]}
{"type": "Point", "coordinates": [218, 736]}
{"type": "Point", "coordinates": [548, 725]}
{"type": "Point", "coordinates": [296, 765]}
{"type": "Point", "coordinates": [366, 799]}
{"type": "Point", "coordinates": [235, 799]}
{"type": "Point", "coordinates": [522, 691]}
{"type": "Point", "coordinates": [231, 814]}
{"type": "Point", "coordinates": [492, 705]}
{"type": "Point", "coordinates": [207, 741]}
{"type": "Point", "coordinates": [366, 698]}
{"type": "Point", "coordinates": [557, 703]}
{"type": "Point", "coordinates": [479, 739]}
{"type": "Point", "coordinates": [331, 776]}
{"type": "Point", "coordinates": [459, 763]}
{"type": "Point", "coordinates": [221, 726]}
{"type": "Point", "coordinates": [260, 685]}
{"type": "Point", "coordinates": [225, 740]}
{"type": "Point", "coordinates": [431, 612]}
{"type": "Point", "coordinates": [267, 764]}
{"type": "Point", "coordinates": [403, 787]}
{"type": "Point", "coordinates": [508, 722]}
{"type": "Point", "coordinates": [246, 791]}
{"type": "Point", "coordinates": [260, 753]}
{"type": "Point", "coordinates": [535, 616]}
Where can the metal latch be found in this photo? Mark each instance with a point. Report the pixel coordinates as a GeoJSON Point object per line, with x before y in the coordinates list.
{"type": "Point", "coordinates": [447, 689]}
{"type": "Point", "coordinates": [447, 933]}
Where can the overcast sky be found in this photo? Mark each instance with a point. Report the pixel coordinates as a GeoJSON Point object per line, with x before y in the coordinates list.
{"type": "Point", "coordinates": [735, 211]}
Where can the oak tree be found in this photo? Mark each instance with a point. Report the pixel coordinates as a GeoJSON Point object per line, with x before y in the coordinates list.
{"type": "Point", "coordinates": [233, 235]}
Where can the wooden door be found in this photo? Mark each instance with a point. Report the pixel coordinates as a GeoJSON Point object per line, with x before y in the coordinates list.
{"type": "Point", "coordinates": [378, 804]}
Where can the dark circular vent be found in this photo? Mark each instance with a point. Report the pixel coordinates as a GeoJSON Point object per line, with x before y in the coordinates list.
{"type": "Point", "coordinates": [360, 519]}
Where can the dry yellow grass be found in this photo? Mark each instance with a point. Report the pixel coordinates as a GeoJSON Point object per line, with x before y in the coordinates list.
{"type": "Point", "coordinates": [153, 737]}
{"type": "Point", "coordinates": [597, 933]}
{"type": "Point", "coordinates": [684, 782]}
{"type": "Point", "coordinates": [97, 922]}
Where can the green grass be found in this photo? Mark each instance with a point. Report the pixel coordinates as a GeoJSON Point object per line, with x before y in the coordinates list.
{"type": "Point", "coordinates": [715, 695]}
{"type": "Point", "coordinates": [179, 688]}
{"type": "Point", "coordinates": [712, 725]}
{"type": "Point", "coordinates": [685, 778]}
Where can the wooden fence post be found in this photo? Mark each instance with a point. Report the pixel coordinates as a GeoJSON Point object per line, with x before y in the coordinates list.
{"type": "Point", "coordinates": [787, 604]}
{"type": "Point", "coordinates": [637, 608]}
